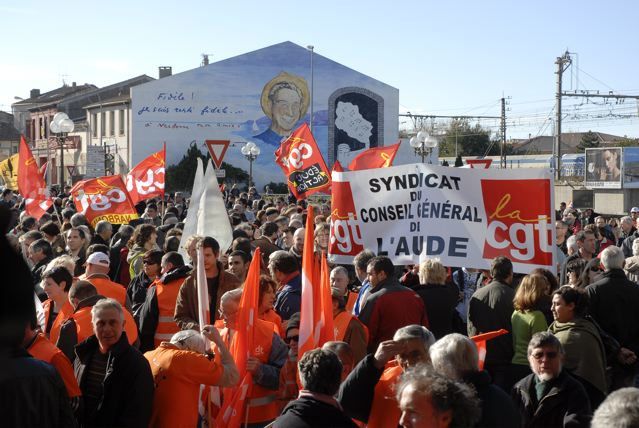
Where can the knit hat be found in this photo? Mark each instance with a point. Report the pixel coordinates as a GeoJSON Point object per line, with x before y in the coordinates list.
{"type": "Point", "coordinates": [293, 322]}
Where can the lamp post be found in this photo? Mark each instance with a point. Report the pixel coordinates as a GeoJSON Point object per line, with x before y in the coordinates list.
{"type": "Point", "coordinates": [423, 144]}
{"type": "Point", "coordinates": [250, 152]}
{"type": "Point", "coordinates": [61, 124]}
{"type": "Point", "coordinates": [310, 122]}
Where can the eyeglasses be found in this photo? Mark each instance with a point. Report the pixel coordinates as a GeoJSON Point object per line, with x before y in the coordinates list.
{"type": "Point", "coordinates": [292, 338]}
{"type": "Point", "coordinates": [148, 262]}
{"type": "Point", "coordinates": [549, 355]}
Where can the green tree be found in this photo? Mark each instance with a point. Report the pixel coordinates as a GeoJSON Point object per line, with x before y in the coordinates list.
{"type": "Point", "coordinates": [278, 188]}
{"type": "Point", "coordinates": [627, 142]}
{"type": "Point", "coordinates": [470, 140]}
{"type": "Point", "coordinates": [235, 174]}
{"type": "Point", "coordinates": [588, 141]}
{"type": "Point", "coordinates": [179, 177]}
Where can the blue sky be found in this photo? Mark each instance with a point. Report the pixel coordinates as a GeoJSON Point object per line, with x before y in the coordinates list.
{"type": "Point", "coordinates": [447, 57]}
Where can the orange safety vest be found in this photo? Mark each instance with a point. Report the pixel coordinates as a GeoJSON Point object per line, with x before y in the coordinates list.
{"type": "Point", "coordinates": [108, 288]}
{"type": "Point", "coordinates": [341, 322]}
{"type": "Point", "coordinates": [65, 312]}
{"type": "Point", "coordinates": [84, 327]}
{"type": "Point", "coordinates": [288, 383]}
{"type": "Point", "coordinates": [273, 317]}
{"type": "Point", "coordinates": [44, 350]}
{"type": "Point", "coordinates": [385, 409]}
{"type": "Point", "coordinates": [261, 404]}
{"type": "Point", "coordinates": [350, 303]}
{"type": "Point", "coordinates": [166, 295]}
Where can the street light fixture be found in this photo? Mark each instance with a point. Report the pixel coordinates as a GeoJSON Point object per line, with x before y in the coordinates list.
{"type": "Point", "coordinates": [61, 124]}
{"type": "Point", "coordinates": [250, 152]}
{"type": "Point", "coordinates": [423, 144]}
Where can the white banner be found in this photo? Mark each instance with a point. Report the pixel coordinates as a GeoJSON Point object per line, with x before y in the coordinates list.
{"type": "Point", "coordinates": [464, 217]}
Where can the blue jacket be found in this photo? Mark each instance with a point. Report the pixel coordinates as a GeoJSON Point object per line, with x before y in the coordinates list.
{"type": "Point", "coordinates": [289, 298]}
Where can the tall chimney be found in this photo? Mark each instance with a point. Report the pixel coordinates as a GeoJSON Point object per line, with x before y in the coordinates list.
{"type": "Point", "coordinates": [34, 93]}
{"type": "Point", "coordinates": [165, 71]}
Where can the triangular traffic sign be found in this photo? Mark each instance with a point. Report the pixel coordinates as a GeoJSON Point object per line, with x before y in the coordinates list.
{"type": "Point", "coordinates": [217, 149]}
{"type": "Point", "coordinates": [71, 169]}
{"type": "Point", "coordinates": [485, 163]}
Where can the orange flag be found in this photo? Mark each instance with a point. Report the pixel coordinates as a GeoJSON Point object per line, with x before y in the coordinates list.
{"type": "Point", "coordinates": [480, 341]}
{"type": "Point", "coordinates": [146, 179]}
{"type": "Point", "coordinates": [316, 318]}
{"type": "Point", "coordinates": [234, 398]}
{"type": "Point", "coordinates": [31, 184]}
{"type": "Point", "coordinates": [377, 157]}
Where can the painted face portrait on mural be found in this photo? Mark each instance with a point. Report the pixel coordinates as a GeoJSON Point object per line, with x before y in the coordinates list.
{"type": "Point", "coordinates": [284, 100]}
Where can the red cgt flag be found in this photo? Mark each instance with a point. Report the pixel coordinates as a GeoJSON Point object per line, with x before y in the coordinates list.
{"type": "Point", "coordinates": [146, 180]}
{"type": "Point", "coordinates": [31, 183]}
{"type": "Point", "coordinates": [302, 163]}
{"type": "Point", "coordinates": [104, 198]}
{"type": "Point", "coordinates": [233, 406]}
{"type": "Point", "coordinates": [377, 157]}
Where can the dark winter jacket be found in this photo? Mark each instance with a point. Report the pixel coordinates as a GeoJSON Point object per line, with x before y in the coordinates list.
{"type": "Point", "coordinates": [440, 301]}
{"type": "Point", "coordinates": [613, 304]}
{"type": "Point", "coordinates": [565, 405]}
{"type": "Point", "coordinates": [289, 298]}
{"type": "Point", "coordinates": [127, 388]}
{"type": "Point", "coordinates": [32, 393]}
{"type": "Point", "coordinates": [136, 293]}
{"type": "Point", "coordinates": [357, 392]}
{"type": "Point", "coordinates": [497, 408]}
{"type": "Point", "coordinates": [307, 412]}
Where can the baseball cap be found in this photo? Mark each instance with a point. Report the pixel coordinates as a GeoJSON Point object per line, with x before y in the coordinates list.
{"type": "Point", "coordinates": [98, 259]}
{"type": "Point", "coordinates": [634, 210]}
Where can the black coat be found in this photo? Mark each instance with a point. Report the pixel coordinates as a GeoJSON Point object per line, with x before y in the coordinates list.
{"type": "Point", "coordinates": [32, 393]}
{"type": "Point", "coordinates": [357, 392]}
{"type": "Point", "coordinates": [565, 405]}
{"type": "Point", "coordinates": [127, 398]}
{"type": "Point", "coordinates": [614, 304]}
{"type": "Point", "coordinates": [440, 301]}
{"type": "Point", "coordinates": [307, 412]}
{"type": "Point", "coordinates": [497, 408]}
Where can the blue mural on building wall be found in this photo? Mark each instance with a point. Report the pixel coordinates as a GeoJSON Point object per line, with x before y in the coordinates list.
{"type": "Point", "coordinates": [261, 97]}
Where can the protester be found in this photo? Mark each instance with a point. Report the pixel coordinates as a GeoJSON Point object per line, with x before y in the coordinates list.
{"type": "Point", "coordinates": [179, 367]}
{"type": "Point", "coordinates": [285, 270]}
{"type": "Point", "coordinates": [103, 233]}
{"type": "Point", "coordinates": [106, 358]}
{"type": "Point", "coordinates": [320, 375]}
{"type": "Point", "coordinates": [456, 357]}
{"type": "Point", "coordinates": [491, 309]}
{"type": "Point", "coordinates": [76, 248]}
{"type": "Point", "coordinates": [574, 269]}
{"type": "Point", "coordinates": [218, 282]}
{"type": "Point", "coordinates": [360, 262]}
{"type": "Point", "coordinates": [320, 236]}
{"type": "Point", "coordinates": [550, 397]}
{"type": "Point", "coordinates": [239, 262]}
{"type": "Point", "coordinates": [137, 289]}
{"type": "Point", "coordinates": [143, 240]}
{"type": "Point", "coordinates": [585, 355]}
{"type": "Point", "coordinates": [288, 374]}
{"type": "Point", "coordinates": [266, 302]}
{"type": "Point", "coordinates": [627, 225]}
{"type": "Point", "coordinates": [97, 268]}
{"type": "Point", "coordinates": [52, 234]}
{"type": "Point", "coordinates": [156, 317]}
{"type": "Point", "coordinates": [40, 253]}
{"type": "Point", "coordinates": [118, 254]}
{"type": "Point", "coordinates": [440, 299]}
{"type": "Point", "coordinates": [298, 245]}
{"type": "Point", "coordinates": [389, 306]}
{"type": "Point", "coordinates": [586, 243]}
{"type": "Point", "coordinates": [427, 399]}
{"type": "Point", "coordinates": [626, 245]}
{"type": "Point", "coordinates": [619, 410]}
{"type": "Point", "coordinates": [631, 266]}
{"type": "Point", "coordinates": [367, 392]}
{"type": "Point", "coordinates": [57, 308]}
{"type": "Point", "coordinates": [266, 244]}
{"type": "Point", "coordinates": [347, 327]}
{"type": "Point", "coordinates": [345, 354]}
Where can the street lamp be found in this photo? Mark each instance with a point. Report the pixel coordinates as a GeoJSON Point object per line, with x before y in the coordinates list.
{"type": "Point", "coordinates": [61, 124]}
{"type": "Point", "coordinates": [423, 144]}
{"type": "Point", "coordinates": [250, 152]}
{"type": "Point", "coordinates": [310, 122]}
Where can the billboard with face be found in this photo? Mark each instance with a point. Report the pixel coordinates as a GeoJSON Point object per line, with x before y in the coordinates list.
{"type": "Point", "coordinates": [603, 168]}
{"type": "Point", "coordinates": [262, 96]}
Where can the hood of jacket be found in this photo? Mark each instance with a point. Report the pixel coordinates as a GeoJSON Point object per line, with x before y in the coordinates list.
{"type": "Point", "coordinates": [175, 274]}
{"type": "Point", "coordinates": [134, 252]}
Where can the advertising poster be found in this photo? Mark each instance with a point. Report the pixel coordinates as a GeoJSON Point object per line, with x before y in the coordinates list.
{"type": "Point", "coordinates": [603, 168]}
{"type": "Point", "coordinates": [464, 217]}
{"type": "Point", "coordinates": [631, 167]}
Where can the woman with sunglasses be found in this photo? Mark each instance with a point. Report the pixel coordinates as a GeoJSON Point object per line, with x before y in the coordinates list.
{"type": "Point", "coordinates": [585, 356]}
{"type": "Point", "coordinates": [136, 291]}
{"type": "Point", "coordinates": [574, 269]}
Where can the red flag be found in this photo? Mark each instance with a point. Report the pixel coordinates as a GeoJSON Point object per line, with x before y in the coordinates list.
{"type": "Point", "coordinates": [31, 184]}
{"type": "Point", "coordinates": [376, 157]}
{"type": "Point", "coordinates": [146, 180]}
{"type": "Point", "coordinates": [303, 164]}
{"type": "Point", "coordinates": [316, 320]}
{"type": "Point", "coordinates": [234, 398]}
{"type": "Point", "coordinates": [104, 198]}
{"type": "Point", "coordinates": [43, 170]}
{"type": "Point", "coordinates": [480, 341]}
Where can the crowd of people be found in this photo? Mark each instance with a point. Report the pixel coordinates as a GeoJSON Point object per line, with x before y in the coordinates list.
{"type": "Point", "coordinates": [113, 335]}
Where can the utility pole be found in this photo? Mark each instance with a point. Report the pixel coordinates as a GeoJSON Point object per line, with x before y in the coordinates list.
{"type": "Point", "coordinates": [562, 62]}
{"type": "Point", "coordinates": [502, 158]}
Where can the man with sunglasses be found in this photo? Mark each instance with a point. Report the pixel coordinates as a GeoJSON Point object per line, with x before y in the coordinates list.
{"type": "Point", "coordinates": [550, 397]}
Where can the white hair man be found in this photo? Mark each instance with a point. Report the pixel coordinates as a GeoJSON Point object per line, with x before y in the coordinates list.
{"type": "Point", "coordinates": [365, 393]}
{"type": "Point", "coordinates": [179, 367]}
{"type": "Point", "coordinates": [615, 290]}
{"type": "Point", "coordinates": [549, 396]}
{"type": "Point", "coordinates": [619, 409]}
{"type": "Point", "coordinates": [107, 358]}
{"type": "Point", "coordinates": [455, 357]}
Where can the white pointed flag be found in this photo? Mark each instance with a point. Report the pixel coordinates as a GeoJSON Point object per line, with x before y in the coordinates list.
{"type": "Point", "coordinates": [190, 222]}
{"type": "Point", "coordinates": [212, 218]}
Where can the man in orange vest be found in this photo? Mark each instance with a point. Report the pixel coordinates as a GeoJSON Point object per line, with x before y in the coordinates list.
{"type": "Point", "coordinates": [83, 296]}
{"type": "Point", "coordinates": [348, 328]}
{"type": "Point", "coordinates": [288, 375]}
{"type": "Point", "coordinates": [344, 353]}
{"type": "Point", "coordinates": [368, 393]}
{"type": "Point", "coordinates": [37, 344]}
{"type": "Point", "coordinates": [179, 367]}
{"type": "Point", "coordinates": [339, 279]}
{"type": "Point", "coordinates": [265, 360]}
{"type": "Point", "coordinates": [156, 315]}
{"type": "Point", "coordinates": [97, 273]}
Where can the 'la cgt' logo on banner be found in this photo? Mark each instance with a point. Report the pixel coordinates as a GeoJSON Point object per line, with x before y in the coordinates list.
{"type": "Point", "coordinates": [518, 225]}
{"type": "Point", "coordinates": [308, 178]}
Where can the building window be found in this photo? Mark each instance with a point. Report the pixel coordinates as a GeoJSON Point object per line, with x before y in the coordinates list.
{"type": "Point", "coordinates": [121, 121]}
{"type": "Point", "coordinates": [102, 124]}
{"type": "Point", "coordinates": [94, 124]}
{"type": "Point", "coordinates": [112, 123]}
